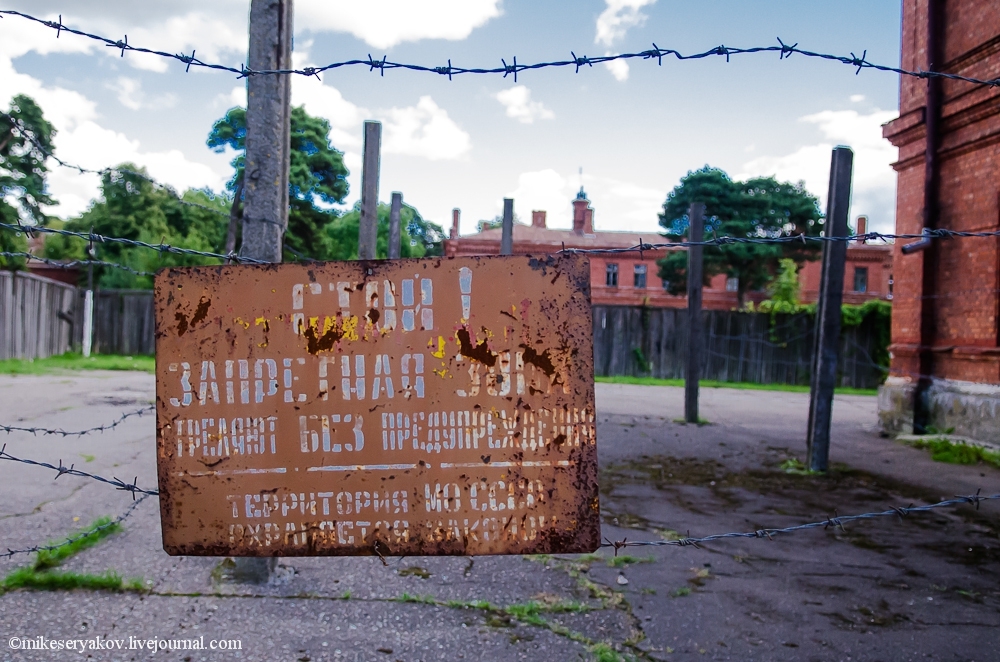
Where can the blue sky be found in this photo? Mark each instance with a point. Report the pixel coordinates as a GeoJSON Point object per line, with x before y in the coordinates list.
{"type": "Point", "coordinates": [472, 141]}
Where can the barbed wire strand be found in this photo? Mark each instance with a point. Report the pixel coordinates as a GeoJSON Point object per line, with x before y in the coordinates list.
{"type": "Point", "coordinates": [717, 241]}
{"type": "Point", "coordinates": [71, 470]}
{"type": "Point", "coordinates": [99, 238]}
{"type": "Point", "coordinates": [835, 522]}
{"type": "Point", "coordinates": [450, 70]}
{"type": "Point", "coordinates": [79, 433]}
{"type": "Point", "coordinates": [28, 135]}
{"type": "Point", "coordinates": [74, 263]}
{"type": "Point", "coordinates": [86, 534]}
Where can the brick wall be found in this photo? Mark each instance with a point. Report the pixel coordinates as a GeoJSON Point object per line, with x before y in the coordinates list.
{"type": "Point", "coordinates": [966, 302]}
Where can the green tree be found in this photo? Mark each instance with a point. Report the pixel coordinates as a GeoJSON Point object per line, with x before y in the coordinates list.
{"type": "Point", "coordinates": [317, 176]}
{"type": "Point", "coordinates": [25, 142]}
{"type": "Point", "coordinates": [761, 207]}
{"type": "Point", "coordinates": [785, 287]}
{"type": "Point", "coordinates": [418, 237]}
{"type": "Point", "coordinates": [132, 207]}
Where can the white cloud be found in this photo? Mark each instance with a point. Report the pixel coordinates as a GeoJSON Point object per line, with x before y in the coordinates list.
{"type": "Point", "coordinates": [874, 181]}
{"type": "Point", "coordinates": [389, 22]}
{"type": "Point", "coordinates": [617, 18]}
{"type": "Point", "coordinates": [618, 205]}
{"type": "Point", "coordinates": [424, 130]}
{"type": "Point", "coordinates": [619, 69]}
{"type": "Point", "coordinates": [517, 101]}
{"type": "Point", "coordinates": [131, 95]}
{"type": "Point", "coordinates": [857, 98]}
{"type": "Point", "coordinates": [82, 141]}
{"type": "Point", "coordinates": [543, 190]}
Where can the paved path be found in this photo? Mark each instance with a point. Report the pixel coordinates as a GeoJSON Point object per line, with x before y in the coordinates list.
{"type": "Point", "coordinates": [927, 588]}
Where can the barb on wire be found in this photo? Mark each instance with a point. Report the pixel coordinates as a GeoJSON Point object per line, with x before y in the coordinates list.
{"type": "Point", "coordinates": [835, 521]}
{"type": "Point", "coordinates": [783, 51]}
{"type": "Point", "coordinates": [162, 248]}
{"type": "Point", "coordinates": [74, 263]}
{"type": "Point", "coordinates": [79, 433]}
{"type": "Point", "coordinates": [726, 240]}
{"type": "Point", "coordinates": [71, 470]}
{"type": "Point", "coordinates": [86, 534]}
{"type": "Point", "coordinates": [29, 136]}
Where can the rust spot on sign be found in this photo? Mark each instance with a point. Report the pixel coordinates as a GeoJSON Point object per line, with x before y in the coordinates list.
{"type": "Point", "coordinates": [328, 415]}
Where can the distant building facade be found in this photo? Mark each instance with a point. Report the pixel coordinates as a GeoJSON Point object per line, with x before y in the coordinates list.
{"type": "Point", "coordinates": [945, 319]}
{"type": "Point", "coordinates": [632, 279]}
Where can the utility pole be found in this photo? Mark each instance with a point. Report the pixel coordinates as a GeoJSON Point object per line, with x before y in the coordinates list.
{"type": "Point", "coordinates": [265, 181]}
{"type": "Point", "coordinates": [368, 232]}
{"type": "Point", "coordinates": [696, 232]}
{"type": "Point", "coordinates": [831, 295]}
{"type": "Point", "coordinates": [265, 198]}
{"type": "Point", "coordinates": [88, 303]}
{"type": "Point", "coordinates": [507, 233]}
{"type": "Point", "coordinates": [394, 229]}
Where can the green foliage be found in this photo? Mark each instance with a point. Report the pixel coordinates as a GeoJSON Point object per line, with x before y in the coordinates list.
{"type": "Point", "coordinates": [23, 188]}
{"type": "Point", "coordinates": [785, 288]}
{"type": "Point", "coordinates": [75, 361]}
{"type": "Point", "coordinates": [951, 452]}
{"type": "Point", "coordinates": [132, 207]}
{"type": "Point", "coordinates": [418, 238]}
{"type": "Point", "coordinates": [316, 177]}
{"type": "Point", "coordinates": [757, 208]}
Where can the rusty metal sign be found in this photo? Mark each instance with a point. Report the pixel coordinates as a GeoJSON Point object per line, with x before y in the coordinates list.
{"type": "Point", "coordinates": [434, 406]}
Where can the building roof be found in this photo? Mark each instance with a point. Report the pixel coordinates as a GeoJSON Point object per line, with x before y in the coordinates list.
{"type": "Point", "coordinates": [527, 234]}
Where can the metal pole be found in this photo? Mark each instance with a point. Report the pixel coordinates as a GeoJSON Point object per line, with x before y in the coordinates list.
{"type": "Point", "coordinates": [696, 232]}
{"type": "Point", "coordinates": [824, 376]}
{"type": "Point", "coordinates": [88, 305]}
{"type": "Point", "coordinates": [265, 181]}
{"type": "Point", "coordinates": [394, 230]}
{"type": "Point", "coordinates": [929, 269]}
{"type": "Point", "coordinates": [368, 232]}
{"type": "Point", "coordinates": [507, 233]}
{"type": "Point", "coordinates": [265, 199]}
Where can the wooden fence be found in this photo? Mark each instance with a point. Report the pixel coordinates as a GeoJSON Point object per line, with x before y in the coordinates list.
{"type": "Point", "coordinates": [38, 316]}
{"type": "Point", "coordinates": [123, 322]}
{"type": "Point", "coordinates": [739, 347]}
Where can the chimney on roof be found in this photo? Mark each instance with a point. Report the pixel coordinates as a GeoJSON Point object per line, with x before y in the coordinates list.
{"type": "Point", "coordinates": [456, 213]}
{"type": "Point", "coordinates": [538, 219]}
{"type": "Point", "coordinates": [862, 228]}
{"type": "Point", "coordinates": [583, 214]}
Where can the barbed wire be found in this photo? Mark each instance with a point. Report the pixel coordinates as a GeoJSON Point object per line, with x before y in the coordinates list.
{"type": "Point", "coordinates": [79, 433]}
{"type": "Point", "coordinates": [717, 241]}
{"type": "Point", "coordinates": [99, 238]}
{"type": "Point", "coordinates": [28, 135]}
{"type": "Point", "coordinates": [726, 240]}
{"type": "Point", "coordinates": [74, 263]}
{"type": "Point", "coordinates": [836, 522]}
{"type": "Point", "coordinates": [86, 534]}
{"type": "Point", "coordinates": [656, 53]}
{"type": "Point", "coordinates": [71, 470]}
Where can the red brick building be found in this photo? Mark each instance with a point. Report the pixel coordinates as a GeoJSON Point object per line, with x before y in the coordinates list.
{"type": "Point", "coordinates": [630, 279]}
{"type": "Point", "coordinates": [945, 313]}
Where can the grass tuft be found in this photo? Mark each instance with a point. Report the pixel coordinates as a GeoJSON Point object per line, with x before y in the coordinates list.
{"type": "Point", "coordinates": [93, 534]}
{"type": "Point", "coordinates": [944, 450]}
{"type": "Point", "coordinates": [71, 361]}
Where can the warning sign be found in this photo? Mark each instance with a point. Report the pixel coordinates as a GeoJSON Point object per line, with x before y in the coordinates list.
{"type": "Point", "coordinates": [434, 406]}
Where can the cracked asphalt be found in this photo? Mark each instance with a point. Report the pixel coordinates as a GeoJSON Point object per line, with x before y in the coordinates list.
{"type": "Point", "coordinates": [925, 588]}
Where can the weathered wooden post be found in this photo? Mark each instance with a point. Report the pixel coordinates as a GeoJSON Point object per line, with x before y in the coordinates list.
{"type": "Point", "coordinates": [368, 232]}
{"type": "Point", "coordinates": [394, 229]}
{"type": "Point", "coordinates": [265, 182]}
{"type": "Point", "coordinates": [831, 294]}
{"type": "Point", "coordinates": [507, 233]}
{"type": "Point", "coordinates": [696, 217]}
